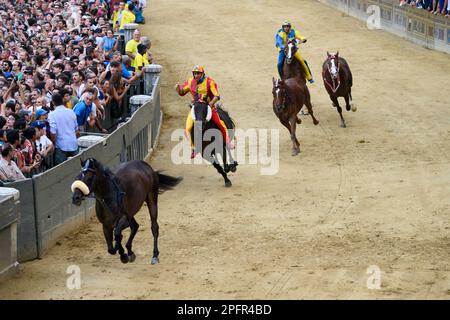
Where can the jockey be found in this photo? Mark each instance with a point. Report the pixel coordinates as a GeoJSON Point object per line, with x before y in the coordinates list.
{"type": "Point", "coordinates": [203, 89]}
{"type": "Point", "coordinates": [281, 39]}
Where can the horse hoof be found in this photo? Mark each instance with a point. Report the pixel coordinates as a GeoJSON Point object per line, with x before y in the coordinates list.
{"type": "Point", "coordinates": [155, 260]}
{"type": "Point", "coordinates": [226, 168]}
{"type": "Point", "coordinates": [233, 167]}
{"type": "Point", "coordinates": [113, 251]}
{"type": "Point", "coordinates": [316, 122]}
{"type": "Point", "coordinates": [228, 184]}
{"type": "Point", "coordinates": [343, 125]}
{"type": "Point", "coordinates": [348, 108]}
{"type": "Point", "coordinates": [299, 121]}
{"type": "Point", "coordinates": [295, 152]}
{"type": "Point", "coordinates": [354, 108]}
{"type": "Point", "coordinates": [124, 258]}
{"type": "Point", "coordinates": [132, 258]}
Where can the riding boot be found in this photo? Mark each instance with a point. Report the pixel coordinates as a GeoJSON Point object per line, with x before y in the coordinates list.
{"type": "Point", "coordinates": [309, 69]}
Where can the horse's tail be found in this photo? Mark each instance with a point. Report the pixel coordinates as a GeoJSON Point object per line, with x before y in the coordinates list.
{"type": "Point", "coordinates": [167, 182]}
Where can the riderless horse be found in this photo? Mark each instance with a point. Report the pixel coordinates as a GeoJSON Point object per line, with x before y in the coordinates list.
{"type": "Point", "coordinates": [338, 81]}
{"type": "Point", "coordinates": [119, 196]}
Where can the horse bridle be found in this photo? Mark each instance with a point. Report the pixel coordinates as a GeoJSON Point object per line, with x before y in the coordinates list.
{"type": "Point", "coordinates": [295, 44]}
{"type": "Point", "coordinates": [120, 193]}
{"type": "Point", "coordinates": [337, 83]}
{"type": "Point", "coordinates": [285, 96]}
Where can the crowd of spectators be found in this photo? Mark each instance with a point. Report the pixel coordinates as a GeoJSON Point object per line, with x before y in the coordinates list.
{"type": "Point", "coordinates": [441, 7]}
{"type": "Point", "coordinates": [60, 69]}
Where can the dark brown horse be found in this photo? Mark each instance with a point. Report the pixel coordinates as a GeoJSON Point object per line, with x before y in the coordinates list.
{"type": "Point", "coordinates": [119, 197]}
{"type": "Point", "coordinates": [338, 81]}
{"type": "Point", "coordinates": [208, 138]}
{"type": "Point", "coordinates": [289, 96]}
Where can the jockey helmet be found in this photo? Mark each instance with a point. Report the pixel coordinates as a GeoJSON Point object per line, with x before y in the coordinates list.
{"type": "Point", "coordinates": [198, 69]}
{"type": "Point", "coordinates": [286, 23]}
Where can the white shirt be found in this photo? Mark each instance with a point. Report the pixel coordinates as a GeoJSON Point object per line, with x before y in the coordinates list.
{"type": "Point", "coordinates": [42, 143]}
{"type": "Point", "coordinates": [63, 123]}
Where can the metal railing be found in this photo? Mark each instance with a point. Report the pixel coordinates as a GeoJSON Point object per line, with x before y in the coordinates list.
{"type": "Point", "coordinates": [417, 25]}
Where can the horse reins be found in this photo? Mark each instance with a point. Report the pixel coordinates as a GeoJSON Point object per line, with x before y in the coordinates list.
{"type": "Point", "coordinates": [333, 86]}
{"type": "Point", "coordinates": [285, 98]}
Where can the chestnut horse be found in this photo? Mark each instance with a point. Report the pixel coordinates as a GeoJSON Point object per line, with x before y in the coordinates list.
{"type": "Point", "coordinates": [289, 96]}
{"type": "Point", "coordinates": [338, 81]}
{"type": "Point", "coordinates": [291, 66]}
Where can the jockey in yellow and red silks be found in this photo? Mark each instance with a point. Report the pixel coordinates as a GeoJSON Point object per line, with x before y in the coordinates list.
{"type": "Point", "coordinates": [202, 88]}
{"type": "Point", "coordinates": [286, 32]}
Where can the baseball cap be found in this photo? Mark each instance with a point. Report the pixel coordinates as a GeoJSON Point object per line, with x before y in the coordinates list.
{"type": "Point", "coordinates": [40, 113]}
{"type": "Point", "coordinates": [38, 124]}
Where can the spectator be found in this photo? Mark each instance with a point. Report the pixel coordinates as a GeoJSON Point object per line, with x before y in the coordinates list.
{"type": "Point", "coordinates": [9, 171]}
{"type": "Point", "coordinates": [139, 59]}
{"type": "Point", "coordinates": [25, 115]}
{"type": "Point", "coordinates": [2, 122]}
{"type": "Point", "coordinates": [43, 144]}
{"type": "Point", "coordinates": [17, 69]}
{"type": "Point", "coordinates": [7, 69]}
{"type": "Point", "coordinates": [2, 137]}
{"type": "Point", "coordinates": [41, 57]}
{"type": "Point", "coordinates": [126, 64]}
{"type": "Point", "coordinates": [109, 42]}
{"type": "Point", "coordinates": [433, 6]}
{"type": "Point", "coordinates": [138, 11]}
{"type": "Point", "coordinates": [131, 46]}
{"type": "Point", "coordinates": [148, 58]}
{"type": "Point", "coordinates": [63, 129]}
{"type": "Point", "coordinates": [85, 111]}
{"type": "Point", "coordinates": [10, 107]}
{"type": "Point", "coordinates": [42, 114]}
{"type": "Point", "coordinates": [77, 81]}
{"type": "Point", "coordinates": [91, 81]}
{"type": "Point", "coordinates": [13, 137]}
{"type": "Point", "coordinates": [127, 16]}
{"type": "Point", "coordinates": [29, 148]}
{"type": "Point", "coordinates": [10, 121]}
{"type": "Point", "coordinates": [115, 15]}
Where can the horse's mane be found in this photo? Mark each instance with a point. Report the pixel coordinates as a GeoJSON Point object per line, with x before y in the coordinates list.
{"type": "Point", "coordinates": [225, 116]}
{"type": "Point", "coordinates": [103, 169]}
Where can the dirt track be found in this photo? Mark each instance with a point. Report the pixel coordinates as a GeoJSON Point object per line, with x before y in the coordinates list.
{"type": "Point", "coordinates": [375, 193]}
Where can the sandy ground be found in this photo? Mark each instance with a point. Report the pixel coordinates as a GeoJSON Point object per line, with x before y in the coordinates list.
{"type": "Point", "coordinates": [375, 193]}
